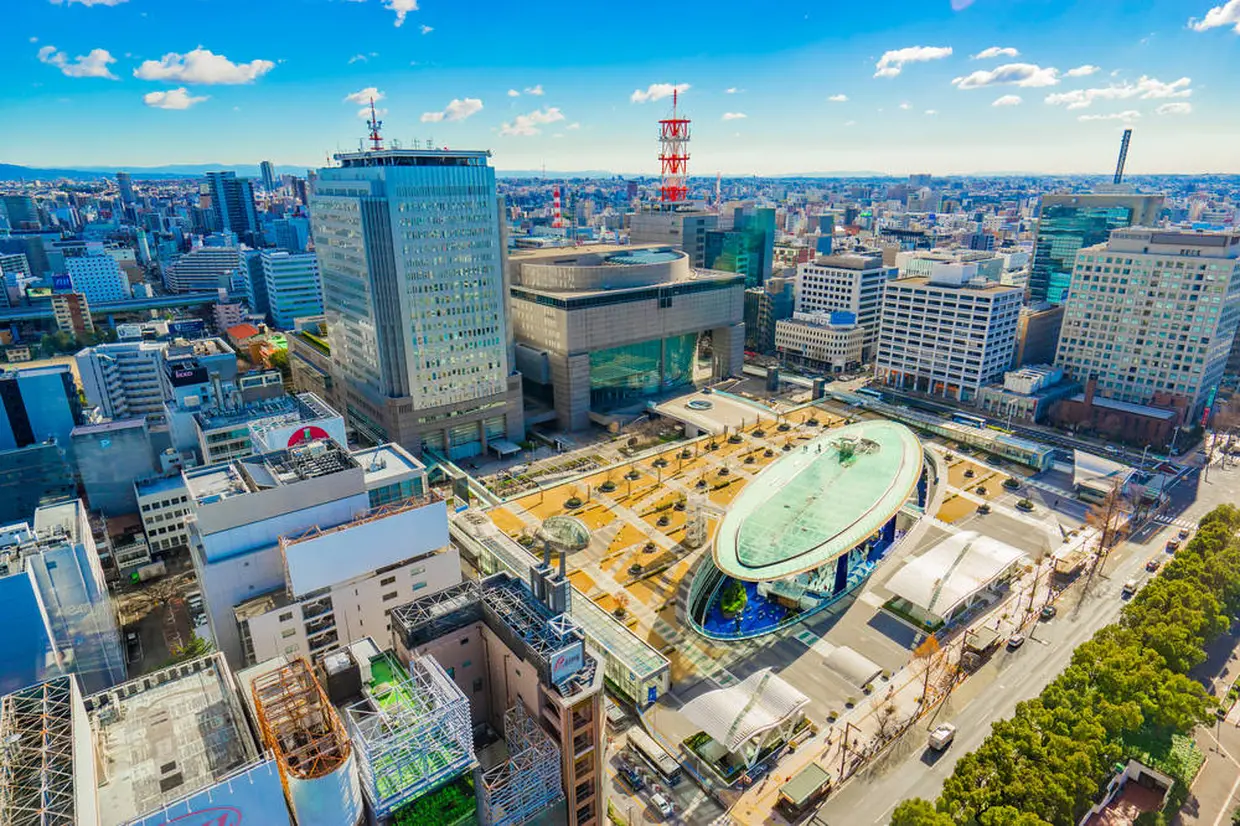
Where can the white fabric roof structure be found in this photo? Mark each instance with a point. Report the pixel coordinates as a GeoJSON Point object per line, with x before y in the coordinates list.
{"type": "Point", "coordinates": [732, 716]}
{"type": "Point", "coordinates": [953, 571]}
{"type": "Point", "coordinates": [1098, 471]}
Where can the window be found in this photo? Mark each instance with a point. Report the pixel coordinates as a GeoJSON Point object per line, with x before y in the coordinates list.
{"type": "Point", "coordinates": [390, 595]}
{"type": "Point", "coordinates": [286, 616]}
{"type": "Point", "coordinates": [288, 633]}
{"type": "Point", "coordinates": [387, 581]}
{"type": "Point", "coordinates": [477, 685]}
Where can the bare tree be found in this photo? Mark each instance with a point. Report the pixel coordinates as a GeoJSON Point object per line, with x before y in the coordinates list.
{"type": "Point", "coordinates": [928, 657]}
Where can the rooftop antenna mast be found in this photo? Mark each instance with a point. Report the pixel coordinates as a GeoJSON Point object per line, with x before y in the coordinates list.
{"type": "Point", "coordinates": [674, 155]}
{"type": "Point", "coordinates": [376, 139]}
{"type": "Point", "coordinates": [1123, 156]}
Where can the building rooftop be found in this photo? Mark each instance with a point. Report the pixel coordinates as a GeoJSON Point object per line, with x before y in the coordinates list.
{"type": "Point", "coordinates": [111, 426]}
{"type": "Point", "coordinates": [59, 519]}
{"type": "Point", "coordinates": [1129, 407]}
{"type": "Point", "coordinates": [159, 484]}
{"type": "Point", "coordinates": [949, 574]}
{"type": "Point", "coordinates": [387, 463]}
{"type": "Point", "coordinates": [813, 505]}
{"type": "Point", "coordinates": [975, 287]}
{"type": "Point", "coordinates": [308, 460]}
{"type": "Point", "coordinates": [267, 413]}
{"type": "Point", "coordinates": [167, 735]}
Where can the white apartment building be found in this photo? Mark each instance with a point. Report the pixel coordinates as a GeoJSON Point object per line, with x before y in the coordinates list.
{"type": "Point", "coordinates": [1152, 314]}
{"type": "Point", "coordinates": [98, 276]}
{"type": "Point", "coordinates": [292, 532]}
{"type": "Point", "coordinates": [294, 289]}
{"type": "Point", "coordinates": [163, 504]}
{"type": "Point", "coordinates": [204, 269]}
{"type": "Point", "coordinates": [820, 341]}
{"type": "Point", "coordinates": [949, 334]}
{"type": "Point", "coordinates": [921, 263]}
{"type": "Point", "coordinates": [851, 283]}
{"type": "Point", "coordinates": [124, 379]}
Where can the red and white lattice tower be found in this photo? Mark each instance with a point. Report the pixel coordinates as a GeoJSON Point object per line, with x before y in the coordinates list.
{"type": "Point", "coordinates": [557, 215]}
{"type": "Point", "coordinates": [674, 156]}
{"type": "Point", "coordinates": [376, 137]}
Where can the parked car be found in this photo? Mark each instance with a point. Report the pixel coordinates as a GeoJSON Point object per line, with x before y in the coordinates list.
{"type": "Point", "coordinates": [1016, 641]}
{"type": "Point", "coordinates": [1048, 612]}
{"type": "Point", "coordinates": [942, 736]}
{"type": "Point", "coordinates": [631, 778]}
{"type": "Point", "coordinates": [133, 647]}
{"type": "Point", "coordinates": [1153, 565]}
{"type": "Point", "coordinates": [661, 805]}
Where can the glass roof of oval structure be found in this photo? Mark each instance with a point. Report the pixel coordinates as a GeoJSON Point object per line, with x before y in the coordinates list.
{"type": "Point", "coordinates": [812, 506]}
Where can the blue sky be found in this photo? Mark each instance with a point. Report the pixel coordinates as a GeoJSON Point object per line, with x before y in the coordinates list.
{"type": "Point", "coordinates": [149, 82]}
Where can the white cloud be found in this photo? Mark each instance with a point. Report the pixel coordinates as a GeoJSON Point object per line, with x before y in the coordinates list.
{"type": "Point", "coordinates": [362, 58]}
{"type": "Point", "coordinates": [172, 99]}
{"type": "Point", "coordinates": [1174, 109]}
{"type": "Point", "coordinates": [1147, 88]}
{"type": "Point", "coordinates": [1008, 100]}
{"type": "Point", "coordinates": [1227, 14]}
{"type": "Point", "coordinates": [363, 97]}
{"type": "Point", "coordinates": [657, 91]}
{"type": "Point", "coordinates": [932, 112]}
{"type": "Point", "coordinates": [850, 123]}
{"type": "Point", "coordinates": [1128, 115]}
{"type": "Point", "coordinates": [573, 125]}
{"type": "Point", "coordinates": [906, 106]}
{"type": "Point", "coordinates": [456, 110]}
{"type": "Point", "coordinates": [734, 116]}
{"type": "Point", "coordinates": [202, 66]}
{"type": "Point", "coordinates": [961, 5]}
{"type": "Point", "coordinates": [425, 29]}
{"type": "Point", "coordinates": [1018, 74]}
{"type": "Point", "coordinates": [34, 40]}
{"type": "Point", "coordinates": [1082, 71]}
{"type": "Point", "coordinates": [732, 90]}
{"type": "Point", "coordinates": [840, 98]}
{"type": "Point", "coordinates": [996, 51]}
{"type": "Point", "coordinates": [89, 2]}
{"type": "Point", "coordinates": [892, 62]}
{"type": "Point", "coordinates": [526, 125]}
{"type": "Point", "coordinates": [93, 64]}
{"type": "Point", "coordinates": [401, 7]}
{"type": "Point", "coordinates": [534, 90]}
{"type": "Point", "coordinates": [513, 93]}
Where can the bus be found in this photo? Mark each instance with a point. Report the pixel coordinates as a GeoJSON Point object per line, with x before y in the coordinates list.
{"type": "Point", "coordinates": [971, 421]}
{"type": "Point", "coordinates": [865, 391]}
{"type": "Point", "coordinates": [666, 766]}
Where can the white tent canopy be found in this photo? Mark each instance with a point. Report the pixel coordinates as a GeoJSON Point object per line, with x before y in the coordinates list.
{"type": "Point", "coordinates": [1098, 472]}
{"type": "Point", "coordinates": [953, 571]}
{"type": "Point", "coordinates": [733, 716]}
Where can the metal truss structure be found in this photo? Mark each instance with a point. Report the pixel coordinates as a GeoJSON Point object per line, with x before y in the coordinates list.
{"type": "Point", "coordinates": [299, 723]}
{"type": "Point", "coordinates": [529, 781]}
{"type": "Point", "coordinates": [412, 735]}
{"type": "Point", "coordinates": [36, 755]}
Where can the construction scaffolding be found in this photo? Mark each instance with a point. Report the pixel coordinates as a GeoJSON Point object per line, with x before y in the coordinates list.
{"type": "Point", "coordinates": [412, 732]}
{"type": "Point", "coordinates": [529, 781]}
{"type": "Point", "coordinates": [299, 724]}
{"type": "Point", "coordinates": [36, 755]}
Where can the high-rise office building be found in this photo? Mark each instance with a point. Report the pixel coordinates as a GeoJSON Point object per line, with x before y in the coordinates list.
{"type": "Point", "coordinates": [947, 335]}
{"type": "Point", "coordinates": [232, 200]}
{"type": "Point", "coordinates": [268, 172]}
{"type": "Point", "coordinates": [124, 182]}
{"type": "Point", "coordinates": [411, 251]}
{"type": "Point", "coordinates": [98, 276]}
{"type": "Point", "coordinates": [683, 226]}
{"type": "Point", "coordinates": [292, 285]}
{"type": "Point", "coordinates": [21, 211]}
{"type": "Point", "coordinates": [1070, 222]}
{"type": "Point", "coordinates": [37, 404]}
{"type": "Point", "coordinates": [849, 283]}
{"type": "Point", "coordinates": [204, 269]}
{"type": "Point", "coordinates": [748, 248]}
{"type": "Point", "coordinates": [1152, 315]}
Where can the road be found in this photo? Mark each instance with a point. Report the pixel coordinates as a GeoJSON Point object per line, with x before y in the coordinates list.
{"type": "Point", "coordinates": [909, 770]}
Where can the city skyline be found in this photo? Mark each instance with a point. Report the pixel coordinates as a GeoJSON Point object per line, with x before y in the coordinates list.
{"type": "Point", "coordinates": [925, 86]}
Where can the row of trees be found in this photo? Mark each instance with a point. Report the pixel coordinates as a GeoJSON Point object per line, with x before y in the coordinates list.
{"type": "Point", "coordinates": [1126, 687]}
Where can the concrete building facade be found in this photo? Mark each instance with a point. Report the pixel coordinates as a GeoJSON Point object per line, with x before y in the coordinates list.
{"type": "Point", "coordinates": [98, 276]}
{"type": "Point", "coordinates": [603, 327]}
{"type": "Point", "coordinates": [410, 248]}
{"type": "Point", "coordinates": [294, 289]}
{"type": "Point", "coordinates": [1152, 316]}
{"type": "Point", "coordinates": [681, 226]}
{"type": "Point", "coordinates": [851, 283]}
{"type": "Point", "coordinates": [820, 341]}
{"type": "Point", "coordinates": [947, 335]}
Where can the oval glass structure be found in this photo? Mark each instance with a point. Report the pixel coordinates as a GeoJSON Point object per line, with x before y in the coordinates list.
{"type": "Point", "coordinates": [819, 502]}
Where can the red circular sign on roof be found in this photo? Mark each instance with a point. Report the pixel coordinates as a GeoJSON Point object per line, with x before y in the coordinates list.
{"type": "Point", "coordinates": [307, 434]}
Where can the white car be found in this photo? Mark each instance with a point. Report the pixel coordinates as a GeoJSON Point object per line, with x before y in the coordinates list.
{"type": "Point", "coordinates": [662, 805]}
{"type": "Point", "coordinates": [942, 736]}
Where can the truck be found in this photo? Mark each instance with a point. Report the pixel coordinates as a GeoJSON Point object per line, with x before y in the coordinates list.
{"type": "Point", "coordinates": [942, 736]}
{"type": "Point", "coordinates": [150, 571]}
{"type": "Point", "coordinates": [1069, 562]}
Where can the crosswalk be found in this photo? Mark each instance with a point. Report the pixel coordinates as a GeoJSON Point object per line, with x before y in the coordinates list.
{"type": "Point", "coordinates": [1176, 522]}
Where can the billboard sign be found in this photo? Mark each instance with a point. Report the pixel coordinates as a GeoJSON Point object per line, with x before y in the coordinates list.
{"type": "Point", "coordinates": [307, 434]}
{"type": "Point", "coordinates": [62, 283]}
{"type": "Point", "coordinates": [567, 661]}
{"type": "Point", "coordinates": [186, 376]}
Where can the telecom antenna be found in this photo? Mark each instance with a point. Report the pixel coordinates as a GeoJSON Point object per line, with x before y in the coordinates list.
{"type": "Point", "coordinates": [376, 139]}
{"type": "Point", "coordinates": [674, 155]}
{"type": "Point", "coordinates": [1123, 156]}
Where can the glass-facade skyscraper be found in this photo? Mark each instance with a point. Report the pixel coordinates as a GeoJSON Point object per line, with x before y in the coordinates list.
{"type": "Point", "coordinates": [411, 252]}
{"type": "Point", "coordinates": [1070, 222]}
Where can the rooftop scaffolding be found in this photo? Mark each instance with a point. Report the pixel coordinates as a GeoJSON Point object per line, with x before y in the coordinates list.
{"type": "Point", "coordinates": [412, 732]}
{"type": "Point", "coordinates": [299, 724]}
{"type": "Point", "coordinates": [529, 781]}
{"type": "Point", "coordinates": [36, 755]}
